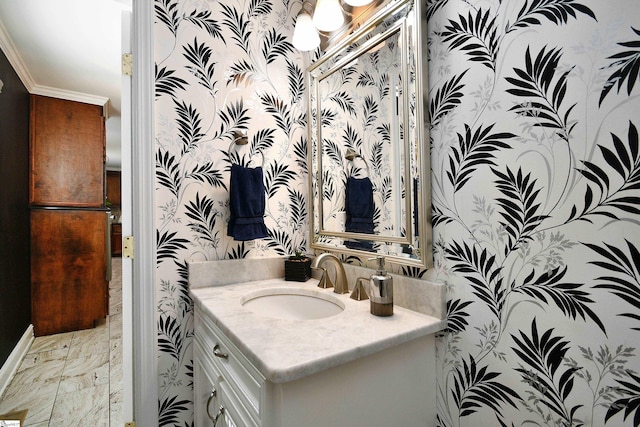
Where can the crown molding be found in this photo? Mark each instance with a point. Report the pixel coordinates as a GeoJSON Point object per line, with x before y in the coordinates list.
{"type": "Point", "coordinates": [69, 95]}
{"type": "Point", "coordinates": [9, 49]}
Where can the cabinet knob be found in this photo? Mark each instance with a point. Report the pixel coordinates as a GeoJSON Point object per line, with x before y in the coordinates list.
{"type": "Point", "coordinates": [218, 353]}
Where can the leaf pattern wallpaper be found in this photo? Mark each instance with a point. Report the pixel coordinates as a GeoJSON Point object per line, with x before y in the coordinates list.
{"type": "Point", "coordinates": [535, 158]}
{"type": "Point", "coordinates": [536, 193]}
{"type": "Point", "coordinates": [221, 68]}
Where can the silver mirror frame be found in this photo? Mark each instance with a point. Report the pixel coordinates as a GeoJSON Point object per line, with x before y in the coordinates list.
{"type": "Point", "coordinates": [412, 29]}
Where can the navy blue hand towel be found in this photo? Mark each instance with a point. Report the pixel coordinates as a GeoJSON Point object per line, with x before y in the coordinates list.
{"type": "Point", "coordinates": [359, 208]}
{"type": "Point", "coordinates": [246, 202]}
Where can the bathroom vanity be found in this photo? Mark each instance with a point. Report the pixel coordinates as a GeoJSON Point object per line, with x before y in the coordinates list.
{"type": "Point", "coordinates": [273, 353]}
{"type": "Point", "coordinates": [269, 364]}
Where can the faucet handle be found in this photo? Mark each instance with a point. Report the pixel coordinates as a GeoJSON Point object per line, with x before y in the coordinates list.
{"type": "Point", "coordinates": [359, 292]}
{"type": "Point", "coordinates": [325, 281]}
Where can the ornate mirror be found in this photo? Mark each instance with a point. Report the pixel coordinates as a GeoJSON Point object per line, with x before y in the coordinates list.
{"type": "Point", "coordinates": [369, 157]}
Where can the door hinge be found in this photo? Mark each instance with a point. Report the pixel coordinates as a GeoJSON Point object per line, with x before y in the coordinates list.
{"type": "Point", "coordinates": [131, 424]}
{"type": "Point", "coordinates": [127, 64]}
{"type": "Point", "coordinates": [127, 247]}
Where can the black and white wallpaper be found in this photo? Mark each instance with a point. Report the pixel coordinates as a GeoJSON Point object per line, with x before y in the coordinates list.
{"type": "Point", "coordinates": [534, 120]}
{"type": "Point", "coordinates": [536, 196]}
{"type": "Point", "coordinates": [221, 67]}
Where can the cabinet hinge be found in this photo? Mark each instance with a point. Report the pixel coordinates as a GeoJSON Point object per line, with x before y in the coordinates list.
{"type": "Point", "coordinates": [127, 247]}
{"type": "Point", "coordinates": [127, 64]}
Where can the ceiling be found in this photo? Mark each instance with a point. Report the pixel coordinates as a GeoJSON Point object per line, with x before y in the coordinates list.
{"type": "Point", "coordinates": [69, 49]}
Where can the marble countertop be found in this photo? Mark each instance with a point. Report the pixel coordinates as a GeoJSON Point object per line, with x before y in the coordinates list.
{"type": "Point", "coordinates": [287, 350]}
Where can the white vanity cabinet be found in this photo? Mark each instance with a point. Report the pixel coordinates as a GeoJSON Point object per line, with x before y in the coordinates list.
{"type": "Point", "coordinates": [214, 398]}
{"type": "Point", "coordinates": [208, 396]}
{"type": "Point", "coordinates": [223, 378]}
{"type": "Point", "coordinates": [394, 386]}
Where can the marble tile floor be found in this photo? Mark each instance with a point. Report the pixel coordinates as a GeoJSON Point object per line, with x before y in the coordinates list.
{"type": "Point", "coordinates": [73, 378]}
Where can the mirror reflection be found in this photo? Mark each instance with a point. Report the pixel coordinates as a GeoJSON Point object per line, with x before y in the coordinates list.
{"type": "Point", "coordinates": [369, 173]}
{"type": "Point", "coordinates": [362, 172]}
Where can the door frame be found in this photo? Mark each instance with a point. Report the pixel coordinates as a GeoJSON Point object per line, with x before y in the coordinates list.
{"type": "Point", "coordinates": [143, 295]}
{"type": "Point", "coordinates": [125, 219]}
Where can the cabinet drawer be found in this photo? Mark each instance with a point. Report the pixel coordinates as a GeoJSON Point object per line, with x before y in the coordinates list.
{"type": "Point", "coordinates": [236, 369]}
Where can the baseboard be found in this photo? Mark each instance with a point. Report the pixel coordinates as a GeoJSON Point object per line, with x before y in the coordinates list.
{"type": "Point", "coordinates": [11, 365]}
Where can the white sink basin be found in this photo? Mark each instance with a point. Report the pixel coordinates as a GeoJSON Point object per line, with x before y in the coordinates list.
{"type": "Point", "coordinates": [292, 304]}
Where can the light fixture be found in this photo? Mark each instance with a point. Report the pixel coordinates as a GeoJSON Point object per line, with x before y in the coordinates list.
{"type": "Point", "coordinates": [357, 2]}
{"type": "Point", "coordinates": [305, 35]}
{"type": "Point", "coordinates": [328, 15]}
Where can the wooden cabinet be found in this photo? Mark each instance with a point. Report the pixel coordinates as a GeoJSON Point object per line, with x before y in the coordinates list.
{"type": "Point", "coordinates": [68, 270]}
{"type": "Point", "coordinates": [116, 239]}
{"type": "Point", "coordinates": [69, 228]}
{"type": "Point", "coordinates": [115, 200]}
{"type": "Point", "coordinates": [113, 188]}
{"type": "Point", "coordinates": [67, 153]}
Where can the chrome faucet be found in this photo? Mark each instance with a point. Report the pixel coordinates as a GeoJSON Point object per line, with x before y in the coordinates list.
{"type": "Point", "coordinates": [341, 286]}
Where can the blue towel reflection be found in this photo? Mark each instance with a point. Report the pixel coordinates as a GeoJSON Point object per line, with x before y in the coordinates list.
{"type": "Point", "coordinates": [359, 208]}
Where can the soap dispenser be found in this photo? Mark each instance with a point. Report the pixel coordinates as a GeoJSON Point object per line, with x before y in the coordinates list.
{"type": "Point", "coordinates": [381, 291]}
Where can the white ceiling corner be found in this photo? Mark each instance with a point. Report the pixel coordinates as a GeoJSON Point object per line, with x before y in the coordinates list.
{"type": "Point", "coordinates": [69, 49]}
{"type": "Point", "coordinates": [9, 49]}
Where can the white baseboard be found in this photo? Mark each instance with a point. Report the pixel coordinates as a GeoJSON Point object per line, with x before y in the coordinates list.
{"type": "Point", "coordinates": [11, 365]}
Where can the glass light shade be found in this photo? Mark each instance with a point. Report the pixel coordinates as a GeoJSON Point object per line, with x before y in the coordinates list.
{"type": "Point", "coordinates": [328, 15]}
{"type": "Point", "coordinates": [357, 2]}
{"type": "Point", "coordinates": [305, 35]}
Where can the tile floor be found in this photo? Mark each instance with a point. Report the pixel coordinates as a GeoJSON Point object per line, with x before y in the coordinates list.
{"type": "Point", "coordinates": [74, 378]}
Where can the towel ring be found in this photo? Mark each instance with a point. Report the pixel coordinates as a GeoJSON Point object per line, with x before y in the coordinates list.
{"type": "Point", "coordinates": [351, 155]}
{"type": "Point", "coordinates": [240, 139]}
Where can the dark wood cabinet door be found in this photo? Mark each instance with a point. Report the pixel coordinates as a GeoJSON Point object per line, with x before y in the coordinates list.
{"type": "Point", "coordinates": [116, 239]}
{"type": "Point", "coordinates": [68, 269]}
{"type": "Point", "coordinates": [113, 188]}
{"type": "Point", "coordinates": [67, 153]}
